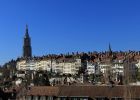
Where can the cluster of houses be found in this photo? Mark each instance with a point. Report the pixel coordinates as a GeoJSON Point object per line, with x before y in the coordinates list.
{"type": "Point", "coordinates": [107, 66]}
{"type": "Point", "coordinates": [114, 66]}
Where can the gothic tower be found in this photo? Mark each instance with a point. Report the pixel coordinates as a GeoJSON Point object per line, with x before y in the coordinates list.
{"type": "Point", "coordinates": [27, 49]}
{"type": "Point", "coordinates": [110, 50]}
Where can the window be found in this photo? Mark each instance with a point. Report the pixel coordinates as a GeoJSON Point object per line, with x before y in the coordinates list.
{"type": "Point", "coordinates": [63, 98]}
{"type": "Point", "coordinates": [74, 98]}
{"type": "Point", "coordinates": [50, 98]}
{"type": "Point", "coordinates": [117, 98]}
{"type": "Point", "coordinates": [28, 97]}
{"type": "Point", "coordinates": [35, 97]}
{"type": "Point", "coordinates": [42, 98]}
{"type": "Point", "coordinates": [83, 99]}
{"type": "Point", "coordinates": [102, 98]}
{"type": "Point", "coordinates": [78, 98]}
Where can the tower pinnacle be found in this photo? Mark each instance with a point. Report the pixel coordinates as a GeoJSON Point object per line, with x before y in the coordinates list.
{"type": "Point", "coordinates": [26, 32]}
{"type": "Point", "coordinates": [110, 50]}
{"type": "Point", "coordinates": [27, 50]}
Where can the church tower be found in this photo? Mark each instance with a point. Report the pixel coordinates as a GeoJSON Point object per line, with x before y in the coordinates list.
{"type": "Point", "coordinates": [110, 50]}
{"type": "Point", "coordinates": [27, 49]}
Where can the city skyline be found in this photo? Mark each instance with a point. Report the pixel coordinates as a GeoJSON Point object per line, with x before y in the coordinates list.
{"type": "Point", "coordinates": [68, 26]}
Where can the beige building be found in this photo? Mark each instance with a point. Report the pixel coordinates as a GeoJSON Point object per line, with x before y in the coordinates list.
{"type": "Point", "coordinates": [66, 66]}
{"type": "Point", "coordinates": [25, 65]}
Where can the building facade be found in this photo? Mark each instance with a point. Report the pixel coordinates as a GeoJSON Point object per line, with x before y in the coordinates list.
{"type": "Point", "coordinates": [70, 66]}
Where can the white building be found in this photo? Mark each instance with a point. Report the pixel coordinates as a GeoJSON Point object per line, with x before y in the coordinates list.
{"type": "Point", "coordinates": [104, 67]}
{"type": "Point", "coordinates": [118, 67]}
{"type": "Point", "coordinates": [138, 65]}
{"type": "Point", "coordinates": [43, 65]}
{"type": "Point", "coordinates": [26, 65]}
{"type": "Point", "coordinates": [69, 66]}
{"type": "Point", "coordinates": [93, 68]}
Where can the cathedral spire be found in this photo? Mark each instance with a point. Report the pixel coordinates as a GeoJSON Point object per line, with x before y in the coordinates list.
{"type": "Point", "coordinates": [110, 50]}
{"type": "Point", "coordinates": [26, 32]}
{"type": "Point", "coordinates": [27, 49]}
{"type": "Point", "coordinates": [110, 47]}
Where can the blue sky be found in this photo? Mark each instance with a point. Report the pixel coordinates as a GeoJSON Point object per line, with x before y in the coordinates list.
{"type": "Point", "coordinates": [61, 26]}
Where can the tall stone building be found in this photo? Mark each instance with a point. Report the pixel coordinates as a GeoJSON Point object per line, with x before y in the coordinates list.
{"type": "Point", "coordinates": [110, 50]}
{"type": "Point", "coordinates": [27, 49]}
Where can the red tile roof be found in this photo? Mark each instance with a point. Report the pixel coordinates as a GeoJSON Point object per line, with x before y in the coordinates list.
{"type": "Point", "coordinates": [43, 90]}
{"type": "Point", "coordinates": [90, 91]}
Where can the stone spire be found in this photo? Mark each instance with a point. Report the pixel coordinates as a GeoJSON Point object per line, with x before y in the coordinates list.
{"type": "Point", "coordinates": [27, 49]}
{"type": "Point", "coordinates": [110, 50]}
{"type": "Point", "coordinates": [26, 32]}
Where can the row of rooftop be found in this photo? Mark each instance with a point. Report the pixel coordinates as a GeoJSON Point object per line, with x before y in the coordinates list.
{"type": "Point", "coordinates": [90, 56]}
